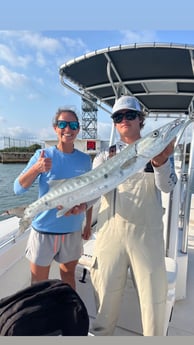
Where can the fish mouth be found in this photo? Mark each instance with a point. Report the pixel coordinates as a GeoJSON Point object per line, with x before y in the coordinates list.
{"type": "Point", "coordinates": [171, 127]}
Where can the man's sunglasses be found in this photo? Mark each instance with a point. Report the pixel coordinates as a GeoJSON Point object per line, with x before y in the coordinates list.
{"type": "Point", "coordinates": [73, 125]}
{"type": "Point", "coordinates": [129, 115]}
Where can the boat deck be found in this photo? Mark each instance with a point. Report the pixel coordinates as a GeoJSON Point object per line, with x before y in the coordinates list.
{"type": "Point", "coordinates": [16, 275]}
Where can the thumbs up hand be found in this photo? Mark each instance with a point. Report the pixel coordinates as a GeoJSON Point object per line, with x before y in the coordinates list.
{"type": "Point", "coordinates": [44, 163]}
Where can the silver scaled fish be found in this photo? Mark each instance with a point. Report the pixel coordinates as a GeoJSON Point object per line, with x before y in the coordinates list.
{"type": "Point", "coordinates": [104, 178]}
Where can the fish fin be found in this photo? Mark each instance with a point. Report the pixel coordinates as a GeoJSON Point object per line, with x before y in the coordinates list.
{"type": "Point", "coordinates": [24, 224]}
{"type": "Point", "coordinates": [55, 183]}
{"type": "Point", "coordinates": [5, 213]}
{"type": "Point", "coordinates": [17, 211]}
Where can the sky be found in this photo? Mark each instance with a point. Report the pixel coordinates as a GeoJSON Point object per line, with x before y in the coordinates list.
{"type": "Point", "coordinates": [32, 49]}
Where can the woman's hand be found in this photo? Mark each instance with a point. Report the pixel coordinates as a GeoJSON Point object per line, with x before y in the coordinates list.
{"type": "Point", "coordinates": [77, 209]}
{"type": "Point", "coordinates": [44, 164]}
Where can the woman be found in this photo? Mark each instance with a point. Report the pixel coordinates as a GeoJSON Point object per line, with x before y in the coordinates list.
{"type": "Point", "coordinates": [53, 238]}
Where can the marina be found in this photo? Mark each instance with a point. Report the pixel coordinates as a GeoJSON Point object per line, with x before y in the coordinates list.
{"type": "Point", "coordinates": [165, 88]}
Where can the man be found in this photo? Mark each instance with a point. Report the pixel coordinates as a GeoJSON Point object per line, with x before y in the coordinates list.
{"type": "Point", "coordinates": [130, 232]}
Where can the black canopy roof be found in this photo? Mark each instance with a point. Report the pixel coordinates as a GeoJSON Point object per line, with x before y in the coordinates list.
{"type": "Point", "coordinates": [161, 76]}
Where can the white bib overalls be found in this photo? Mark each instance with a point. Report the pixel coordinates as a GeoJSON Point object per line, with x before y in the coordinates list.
{"type": "Point", "coordinates": [130, 234]}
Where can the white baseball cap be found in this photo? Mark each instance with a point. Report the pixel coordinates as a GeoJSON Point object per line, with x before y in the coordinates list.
{"type": "Point", "coordinates": [126, 102]}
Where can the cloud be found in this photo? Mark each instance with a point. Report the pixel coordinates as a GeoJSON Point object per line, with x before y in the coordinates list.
{"type": "Point", "coordinates": [10, 79]}
{"type": "Point", "coordinates": [40, 59]}
{"type": "Point", "coordinates": [77, 43]}
{"type": "Point", "coordinates": [19, 83]}
{"type": "Point", "coordinates": [21, 48]}
{"type": "Point", "coordinates": [12, 58]}
{"type": "Point", "coordinates": [132, 36]}
{"type": "Point", "coordinates": [31, 39]}
{"type": "Point", "coordinates": [2, 120]}
{"type": "Point", "coordinates": [16, 132]}
{"type": "Point", "coordinates": [46, 133]}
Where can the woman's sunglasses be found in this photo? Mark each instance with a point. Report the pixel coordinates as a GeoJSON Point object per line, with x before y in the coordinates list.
{"type": "Point", "coordinates": [74, 125]}
{"type": "Point", "coordinates": [129, 115]}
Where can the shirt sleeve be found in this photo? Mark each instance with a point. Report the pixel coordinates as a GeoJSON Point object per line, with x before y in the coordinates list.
{"type": "Point", "coordinates": [165, 176]}
{"type": "Point", "coordinates": [18, 189]}
{"type": "Point", "coordinates": [99, 159]}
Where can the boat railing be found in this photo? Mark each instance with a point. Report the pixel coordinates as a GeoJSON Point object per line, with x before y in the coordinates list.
{"type": "Point", "coordinates": [11, 239]}
{"type": "Point", "coordinates": [189, 178]}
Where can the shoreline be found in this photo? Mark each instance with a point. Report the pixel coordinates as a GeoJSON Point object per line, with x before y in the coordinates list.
{"type": "Point", "coordinates": [15, 157]}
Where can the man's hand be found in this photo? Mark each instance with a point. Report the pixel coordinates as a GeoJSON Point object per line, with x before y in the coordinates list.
{"type": "Point", "coordinates": [163, 156]}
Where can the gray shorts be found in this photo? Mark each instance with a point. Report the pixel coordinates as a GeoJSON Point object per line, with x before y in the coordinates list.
{"type": "Point", "coordinates": [42, 249]}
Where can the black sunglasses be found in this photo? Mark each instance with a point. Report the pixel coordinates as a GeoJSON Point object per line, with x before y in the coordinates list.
{"type": "Point", "coordinates": [74, 125]}
{"type": "Point", "coordinates": [129, 115]}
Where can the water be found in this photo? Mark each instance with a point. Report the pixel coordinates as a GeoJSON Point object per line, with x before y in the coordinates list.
{"type": "Point", "coordinates": [8, 200]}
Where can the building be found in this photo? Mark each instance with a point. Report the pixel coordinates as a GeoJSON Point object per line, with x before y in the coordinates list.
{"type": "Point", "coordinates": [90, 146]}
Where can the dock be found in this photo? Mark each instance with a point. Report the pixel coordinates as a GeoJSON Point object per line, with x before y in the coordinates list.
{"type": "Point", "coordinates": [15, 157]}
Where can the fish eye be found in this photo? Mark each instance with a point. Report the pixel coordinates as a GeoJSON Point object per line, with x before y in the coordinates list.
{"type": "Point", "coordinates": [155, 134]}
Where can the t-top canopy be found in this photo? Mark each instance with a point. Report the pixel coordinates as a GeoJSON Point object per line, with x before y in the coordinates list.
{"type": "Point", "coordinates": [161, 76]}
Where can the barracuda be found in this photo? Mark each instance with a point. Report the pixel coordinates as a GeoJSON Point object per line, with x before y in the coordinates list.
{"type": "Point", "coordinates": [91, 185]}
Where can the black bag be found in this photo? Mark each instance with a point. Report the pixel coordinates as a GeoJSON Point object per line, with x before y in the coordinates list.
{"type": "Point", "coordinates": [50, 307]}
